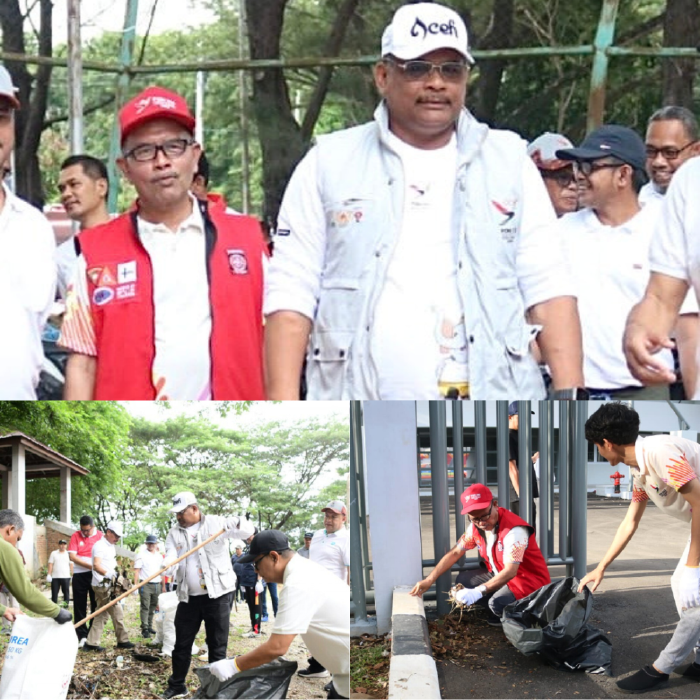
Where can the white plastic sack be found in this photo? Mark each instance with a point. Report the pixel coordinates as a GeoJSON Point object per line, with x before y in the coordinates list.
{"type": "Point", "coordinates": [167, 604]}
{"type": "Point", "coordinates": [39, 660]}
{"type": "Point", "coordinates": [158, 627]}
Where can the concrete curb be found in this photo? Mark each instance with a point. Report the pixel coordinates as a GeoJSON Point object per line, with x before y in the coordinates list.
{"type": "Point", "coordinates": [412, 670]}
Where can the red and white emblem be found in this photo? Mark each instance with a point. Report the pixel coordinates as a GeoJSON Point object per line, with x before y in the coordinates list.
{"type": "Point", "coordinates": [238, 262]}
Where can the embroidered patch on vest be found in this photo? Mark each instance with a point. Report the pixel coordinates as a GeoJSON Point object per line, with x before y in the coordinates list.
{"type": "Point", "coordinates": [102, 295]}
{"type": "Point", "coordinates": [237, 260]}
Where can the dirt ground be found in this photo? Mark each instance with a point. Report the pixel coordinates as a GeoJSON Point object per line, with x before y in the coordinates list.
{"type": "Point", "coordinates": [96, 674]}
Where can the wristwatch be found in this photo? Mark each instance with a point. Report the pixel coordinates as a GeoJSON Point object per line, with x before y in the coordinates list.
{"type": "Point", "coordinates": [575, 394]}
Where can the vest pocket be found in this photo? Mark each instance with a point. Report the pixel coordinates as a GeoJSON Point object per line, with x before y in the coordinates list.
{"type": "Point", "coordinates": [328, 355]}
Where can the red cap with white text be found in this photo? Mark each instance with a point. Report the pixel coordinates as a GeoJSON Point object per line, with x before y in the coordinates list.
{"type": "Point", "coordinates": [476, 497]}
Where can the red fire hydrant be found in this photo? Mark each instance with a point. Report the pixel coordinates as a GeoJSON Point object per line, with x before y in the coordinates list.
{"type": "Point", "coordinates": [617, 476]}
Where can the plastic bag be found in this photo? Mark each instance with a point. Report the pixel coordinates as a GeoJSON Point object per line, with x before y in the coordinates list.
{"type": "Point", "coordinates": [167, 604]}
{"type": "Point", "coordinates": [552, 622]}
{"type": "Point", "coordinates": [267, 681]}
{"type": "Point", "coordinates": [38, 643]}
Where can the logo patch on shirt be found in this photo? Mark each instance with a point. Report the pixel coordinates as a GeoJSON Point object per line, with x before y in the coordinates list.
{"type": "Point", "coordinates": [94, 274]}
{"type": "Point", "coordinates": [106, 278]}
{"type": "Point", "coordinates": [126, 291]}
{"type": "Point", "coordinates": [283, 232]}
{"type": "Point", "coordinates": [102, 296]}
{"type": "Point", "coordinates": [126, 272]}
{"type": "Point", "coordinates": [238, 262]}
{"type": "Point", "coordinates": [506, 209]}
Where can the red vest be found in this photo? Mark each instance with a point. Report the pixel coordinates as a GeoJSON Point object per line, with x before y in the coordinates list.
{"type": "Point", "coordinates": [120, 286]}
{"type": "Point", "coordinates": [532, 572]}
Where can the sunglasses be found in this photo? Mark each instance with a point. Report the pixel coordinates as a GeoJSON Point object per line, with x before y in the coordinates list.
{"type": "Point", "coordinates": [563, 177]}
{"type": "Point", "coordinates": [451, 71]}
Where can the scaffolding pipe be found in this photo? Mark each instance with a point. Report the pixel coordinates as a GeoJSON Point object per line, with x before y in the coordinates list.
{"type": "Point", "coordinates": [480, 440]}
{"type": "Point", "coordinates": [524, 460]}
{"type": "Point", "coordinates": [75, 79]}
{"type": "Point", "coordinates": [440, 501]}
{"type": "Point", "coordinates": [502, 454]}
{"type": "Point", "coordinates": [458, 462]}
{"type": "Point", "coordinates": [356, 580]}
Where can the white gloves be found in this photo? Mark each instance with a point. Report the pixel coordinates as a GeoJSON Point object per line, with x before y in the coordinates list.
{"type": "Point", "coordinates": [468, 596]}
{"type": "Point", "coordinates": [259, 588]}
{"type": "Point", "coordinates": [224, 669]}
{"type": "Point", "coordinates": [689, 587]}
{"type": "Point", "coordinates": [243, 590]}
{"type": "Point", "coordinates": [49, 578]}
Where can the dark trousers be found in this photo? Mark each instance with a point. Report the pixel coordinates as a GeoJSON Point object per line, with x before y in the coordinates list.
{"type": "Point", "coordinates": [333, 693]}
{"type": "Point", "coordinates": [237, 595]}
{"type": "Point", "coordinates": [495, 601]}
{"type": "Point", "coordinates": [82, 587]}
{"type": "Point", "coordinates": [62, 584]}
{"type": "Point", "coordinates": [149, 603]}
{"type": "Point", "coordinates": [272, 587]}
{"type": "Point", "coordinates": [254, 607]}
{"type": "Point", "coordinates": [215, 613]}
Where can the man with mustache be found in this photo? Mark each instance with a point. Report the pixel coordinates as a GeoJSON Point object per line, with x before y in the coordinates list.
{"type": "Point", "coordinates": [410, 250]}
{"type": "Point", "coordinates": [167, 299]}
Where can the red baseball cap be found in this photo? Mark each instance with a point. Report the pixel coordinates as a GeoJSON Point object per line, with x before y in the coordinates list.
{"type": "Point", "coordinates": [154, 103]}
{"type": "Point", "coordinates": [476, 497]}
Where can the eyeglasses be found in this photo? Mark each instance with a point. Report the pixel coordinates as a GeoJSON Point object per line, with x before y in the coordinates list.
{"type": "Point", "coordinates": [563, 178]}
{"type": "Point", "coordinates": [149, 151]}
{"type": "Point", "coordinates": [588, 167]}
{"type": "Point", "coordinates": [451, 71]}
{"type": "Point", "coordinates": [255, 565]}
{"type": "Point", "coordinates": [482, 518]}
{"type": "Point", "coordinates": [668, 152]}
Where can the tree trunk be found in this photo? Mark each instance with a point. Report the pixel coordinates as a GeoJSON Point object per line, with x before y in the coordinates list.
{"type": "Point", "coordinates": [33, 95]}
{"type": "Point", "coordinates": [681, 26]}
{"type": "Point", "coordinates": [499, 36]}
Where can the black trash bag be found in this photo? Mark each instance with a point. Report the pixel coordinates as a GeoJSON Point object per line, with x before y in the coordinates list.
{"type": "Point", "coordinates": [552, 622]}
{"type": "Point", "coordinates": [270, 680]}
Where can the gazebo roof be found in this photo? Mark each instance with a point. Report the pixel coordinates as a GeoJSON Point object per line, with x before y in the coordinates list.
{"type": "Point", "coordinates": [41, 461]}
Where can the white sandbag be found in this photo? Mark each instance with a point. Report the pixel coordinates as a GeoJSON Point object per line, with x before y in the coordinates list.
{"type": "Point", "coordinates": [167, 604]}
{"type": "Point", "coordinates": [39, 660]}
{"type": "Point", "coordinates": [158, 627]}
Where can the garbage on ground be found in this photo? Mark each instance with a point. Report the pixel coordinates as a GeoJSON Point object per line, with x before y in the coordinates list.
{"type": "Point", "coordinates": [552, 622]}
{"type": "Point", "coordinates": [270, 680]}
{"type": "Point", "coordinates": [38, 643]}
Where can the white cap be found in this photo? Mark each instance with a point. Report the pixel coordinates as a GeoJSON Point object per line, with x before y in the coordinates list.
{"type": "Point", "coordinates": [182, 500]}
{"type": "Point", "coordinates": [416, 30]}
{"type": "Point", "coordinates": [543, 151]}
{"type": "Point", "coordinates": [7, 89]}
{"type": "Point", "coordinates": [116, 527]}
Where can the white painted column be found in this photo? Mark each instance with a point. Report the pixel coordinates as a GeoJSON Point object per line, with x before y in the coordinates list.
{"type": "Point", "coordinates": [65, 495]}
{"type": "Point", "coordinates": [391, 454]}
{"type": "Point", "coordinates": [18, 499]}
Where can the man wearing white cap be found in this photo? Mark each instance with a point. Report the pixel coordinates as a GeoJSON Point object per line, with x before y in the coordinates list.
{"type": "Point", "coordinates": [205, 583]}
{"type": "Point", "coordinates": [104, 573]}
{"type": "Point", "coordinates": [330, 547]}
{"type": "Point", "coordinates": [27, 271]}
{"type": "Point", "coordinates": [557, 175]}
{"type": "Point", "coordinates": [411, 249]}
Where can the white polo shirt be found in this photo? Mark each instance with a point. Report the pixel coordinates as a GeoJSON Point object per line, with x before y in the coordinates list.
{"type": "Point", "coordinates": [27, 291]}
{"type": "Point", "coordinates": [666, 464]}
{"type": "Point", "coordinates": [610, 265]}
{"type": "Point", "coordinates": [107, 553]}
{"type": "Point", "coordinates": [316, 605]}
{"type": "Point", "coordinates": [149, 563]}
{"type": "Point", "coordinates": [331, 551]}
{"type": "Point", "coordinates": [649, 193]}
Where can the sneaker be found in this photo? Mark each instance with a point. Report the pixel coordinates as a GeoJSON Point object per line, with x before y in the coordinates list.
{"type": "Point", "coordinates": [251, 635]}
{"type": "Point", "coordinates": [644, 680]}
{"type": "Point", "coordinates": [174, 693]}
{"type": "Point", "coordinates": [126, 645]}
{"type": "Point", "coordinates": [315, 670]}
{"type": "Point", "coordinates": [82, 642]}
{"type": "Point", "coordinates": [494, 621]}
{"type": "Point", "coordinates": [146, 634]}
{"type": "Point", "coordinates": [92, 647]}
{"type": "Point", "coordinates": [693, 671]}
{"type": "Point", "coordinates": [152, 631]}
{"type": "Point", "coordinates": [265, 618]}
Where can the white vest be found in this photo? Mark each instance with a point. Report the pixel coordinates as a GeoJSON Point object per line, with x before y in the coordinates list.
{"type": "Point", "coordinates": [361, 184]}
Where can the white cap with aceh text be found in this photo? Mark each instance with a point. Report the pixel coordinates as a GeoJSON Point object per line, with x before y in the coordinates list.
{"type": "Point", "coordinates": [182, 500]}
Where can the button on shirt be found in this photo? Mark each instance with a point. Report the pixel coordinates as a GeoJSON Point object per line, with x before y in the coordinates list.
{"type": "Point", "coordinates": [666, 464]}
{"type": "Point", "coordinates": [332, 551]}
{"type": "Point", "coordinates": [611, 269]}
{"type": "Point", "coordinates": [107, 553]}
{"type": "Point", "coordinates": [316, 605]}
{"type": "Point", "coordinates": [149, 563]}
{"type": "Point", "coordinates": [181, 368]}
{"type": "Point", "coordinates": [27, 291]}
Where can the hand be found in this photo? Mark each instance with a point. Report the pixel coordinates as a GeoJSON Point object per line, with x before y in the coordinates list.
{"type": "Point", "coordinates": [468, 596]}
{"type": "Point", "coordinates": [224, 669]}
{"type": "Point", "coordinates": [535, 457]}
{"type": "Point", "coordinates": [595, 577]}
{"type": "Point", "coordinates": [49, 578]}
{"type": "Point", "coordinates": [63, 616]}
{"type": "Point", "coordinates": [259, 588]}
{"type": "Point", "coordinates": [689, 587]}
{"type": "Point", "coordinates": [11, 614]}
{"type": "Point", "coordinates": [421, 587]}
{"type": "Point", "coordinates": [640, 346]}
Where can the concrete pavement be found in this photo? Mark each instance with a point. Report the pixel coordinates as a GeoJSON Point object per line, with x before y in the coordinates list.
{"type": "Point", "coordinates": [634, 606]}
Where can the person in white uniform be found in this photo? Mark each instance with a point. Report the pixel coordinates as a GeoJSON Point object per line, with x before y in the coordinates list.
{"type": "Point", "coordinates": [147, 563]}
{"type": "Point", "coordinates": [313, 603]}
{"type": "Point", "coordinates": [664, 469]}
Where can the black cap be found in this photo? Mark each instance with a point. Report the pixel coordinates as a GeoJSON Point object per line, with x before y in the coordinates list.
{"type": "Point", "coordinates": [614, 140]}
{"type": "Point", "coordinates": [151, 539]}
{"type": "Point", "coordinates": [513, 408]}
{"type": "Point", "coordinates": [62, 542]}
{"type": "Point", "coordinates": [265, 542]}
{"type": "Point", "coordinates": [308, 534]}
